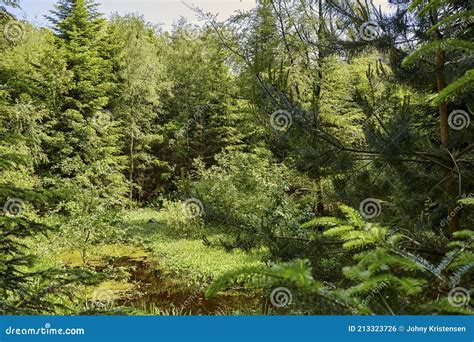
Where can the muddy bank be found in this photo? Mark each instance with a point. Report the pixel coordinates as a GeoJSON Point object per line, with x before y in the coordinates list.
{"type": "Point", "coordinates": [154, 290]}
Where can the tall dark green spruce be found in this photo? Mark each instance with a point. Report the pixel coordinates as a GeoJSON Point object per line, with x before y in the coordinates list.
{"type": "Point", "coordinates": [84, 141]}
{"type": "Point", "coordinates": [25, 287]}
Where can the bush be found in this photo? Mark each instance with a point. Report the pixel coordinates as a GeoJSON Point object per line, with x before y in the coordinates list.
{"type": "Point", "coordinates": [250, 197]}
{"type": "Point", "coordinates": [88, 220]}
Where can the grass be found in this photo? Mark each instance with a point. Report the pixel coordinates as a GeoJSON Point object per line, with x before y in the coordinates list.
{"type": "Point", "coordinates": [158, 236]}
{"type": "Point", "coordinates": [184, 253]}
{"type": "Point", "coordinates": [173, 265]}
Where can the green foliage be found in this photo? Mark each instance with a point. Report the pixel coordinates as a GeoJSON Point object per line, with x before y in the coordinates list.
{"type": "Point", "coordinates": [181, 253]}
{"type": "Point", "coordinates": [140, 75]}
{"type": "Point", "coordinates": [246, 195]}
{"type": "Point", "coordinates": [451, 32]}
{"type": "Point", "coordinates": [296, 272]}
{"type": "Point", "coordinates": [83, 140]}
{"type": "Point", "coordinates": [385, 279]}
{"type": "Point", "coordinates": [87, 221]}
{"type": "Point", "coordinates": [23, 290]}
{"type": "Point", "coordinates": [97, 114]}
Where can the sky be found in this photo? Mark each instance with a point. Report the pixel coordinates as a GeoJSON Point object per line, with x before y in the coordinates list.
{"type": "Point", "coordinates": [156, 11]}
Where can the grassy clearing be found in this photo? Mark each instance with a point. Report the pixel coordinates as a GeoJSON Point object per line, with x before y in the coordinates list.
{"type": "Point", "coordinates": [184, 254]}
{"type": "Point", "coordinates": [154, 267]}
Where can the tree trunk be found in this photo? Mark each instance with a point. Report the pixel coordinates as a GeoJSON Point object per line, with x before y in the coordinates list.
{"type": "Point", "coordinates": [131, 171]}
{"type": "Point", "coordinates": [319, 197]}
{"type": "Point", "coordinates": [449, 177]}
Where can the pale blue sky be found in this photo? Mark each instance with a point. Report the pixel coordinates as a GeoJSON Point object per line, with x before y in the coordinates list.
{"type": "Point", "coordinates": [157, 11]}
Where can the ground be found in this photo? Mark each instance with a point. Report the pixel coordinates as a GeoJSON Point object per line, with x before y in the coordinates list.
{"type": "Point", "coordinates": [158, 271]}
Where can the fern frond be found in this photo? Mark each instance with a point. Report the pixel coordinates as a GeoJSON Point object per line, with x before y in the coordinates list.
{"type": "Point", "coordinates": [447, 260]}
{"type": "Point", "coordinates": [457, 275]}
{"type": "Point", "coordinates": [410, 286]}
{"type": "Point", "coordinates": [421, 262]}
{"type": "Point", "coordinates": [352, 215]}
{"type": "Point", "coordinates": [297, 272]}
{"type": "Point", "coordinates": [338, 231]}
{"type": "Point", "coordinates": [465, 234]}
{"type": "Point", "coordinates": [358, 243]}
{"type": "Point", "coordinates": [443, 306]}
{"type": "Point", "coordinates": [370, 285]}
{"type": "Point", "coordinates": [467, 201]}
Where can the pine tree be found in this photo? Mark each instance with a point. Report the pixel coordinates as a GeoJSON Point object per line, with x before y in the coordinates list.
{"type": "Point", "coordinates": [199, 112]}
{"type": "Point", "coordinates": [387, 277]}
{"type": "Point", "coordinates": [446, 42]}
{"type": "Point", "coordinates": [84, 143]}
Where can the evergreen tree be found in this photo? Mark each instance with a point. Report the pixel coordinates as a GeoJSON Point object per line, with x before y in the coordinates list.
{"type": "Point", "coordinates": [84, 141]}
{"type": "Point", "coordinates": [446, 44]}
{"type": "Point", "coordinates": [25, 288]}
{"type": "Point", "coordinates": [200, 112]}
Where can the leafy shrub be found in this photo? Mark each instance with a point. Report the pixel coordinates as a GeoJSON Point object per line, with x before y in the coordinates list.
{"type": "Point", "coordinates": [249, 196]}
{"type": "Point", "coordinates": [88, 220]}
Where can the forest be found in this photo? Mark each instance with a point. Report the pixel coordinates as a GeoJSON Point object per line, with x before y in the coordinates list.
{"type": "Point", "coordinates": [305, 157]}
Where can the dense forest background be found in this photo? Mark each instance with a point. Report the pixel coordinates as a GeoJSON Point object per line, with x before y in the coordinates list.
{"type": "Point", "coordinates": [305, 157]}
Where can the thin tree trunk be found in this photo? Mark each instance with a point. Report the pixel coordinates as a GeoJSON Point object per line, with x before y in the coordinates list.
{"type": "Point", "coordinates": [132, 167]}
{"type": "Point", "coordinates": [316, 103]}
{"type": "Point", "coordinates": [319, 197]}
{"type": "Point", "coordinates": [449, 179]}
